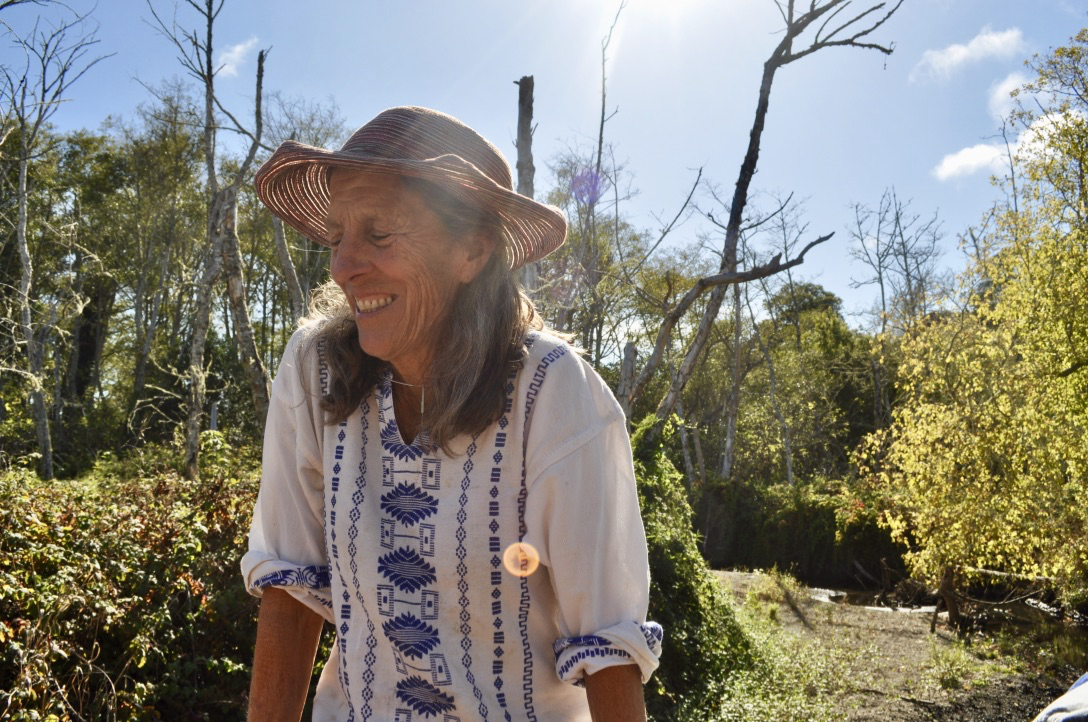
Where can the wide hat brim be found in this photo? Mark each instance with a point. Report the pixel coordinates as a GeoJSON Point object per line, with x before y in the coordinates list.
{"type": "Point", "coordinates": [294, 184]}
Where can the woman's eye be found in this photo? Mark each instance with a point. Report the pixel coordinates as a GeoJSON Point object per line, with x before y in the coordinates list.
{"type": "Point", "coordinates": [381, 239]}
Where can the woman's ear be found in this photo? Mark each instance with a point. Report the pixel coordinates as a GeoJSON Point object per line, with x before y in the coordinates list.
{"type": "Point", "coordinates": [478, 247]}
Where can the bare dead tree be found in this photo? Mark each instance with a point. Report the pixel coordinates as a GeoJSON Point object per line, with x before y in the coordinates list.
{"type": "Point", "coordinates": [56, 56]}
{"type": "Point", "coordinates": [530, 272]}
{"type": "Point", "coordinates": [826, 24]}
{"type": "Point", "coordinates": [900, 249]}
{"type": "Point", "coordinates": [585, 267]}
{"type": "Point", "coordinates": [223, 254]}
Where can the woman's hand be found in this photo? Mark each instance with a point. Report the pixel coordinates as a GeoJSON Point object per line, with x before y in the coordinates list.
{"type": "Point", "coordinates": [615, 694]}
{"type": "Point", "coordinates": [287, 637]}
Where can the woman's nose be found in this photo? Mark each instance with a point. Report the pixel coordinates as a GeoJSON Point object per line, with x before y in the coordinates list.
{"type": "Point", "coordinates": [349, 259]}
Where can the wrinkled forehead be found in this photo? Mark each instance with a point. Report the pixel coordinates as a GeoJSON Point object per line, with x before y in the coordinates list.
{"type": "Point", "coordinates": [353, 192]}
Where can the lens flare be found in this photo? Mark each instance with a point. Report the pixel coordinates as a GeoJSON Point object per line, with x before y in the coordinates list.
{"type": "Point", "coordinates": [521, 559]}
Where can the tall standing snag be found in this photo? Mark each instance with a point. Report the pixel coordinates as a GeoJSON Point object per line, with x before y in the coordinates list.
{"type": "Point", "coordinates": [526, 170]}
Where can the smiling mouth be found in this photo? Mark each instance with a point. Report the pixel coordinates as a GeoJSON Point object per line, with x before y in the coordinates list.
{"type": "Point", "coordinates": [368, 305]}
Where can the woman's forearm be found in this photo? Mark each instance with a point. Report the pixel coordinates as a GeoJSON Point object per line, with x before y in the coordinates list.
{"type": "Point", "coordinates": [615, 694]}
{"type": "Point", "coordinates": [287, 636]}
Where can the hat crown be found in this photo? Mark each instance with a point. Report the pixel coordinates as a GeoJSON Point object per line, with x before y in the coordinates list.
{"type": "Point", "coordinates": [416, 134]}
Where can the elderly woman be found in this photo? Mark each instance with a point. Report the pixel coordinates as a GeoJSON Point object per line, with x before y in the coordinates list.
{"type": "Point", "coordinates": [446, 483]}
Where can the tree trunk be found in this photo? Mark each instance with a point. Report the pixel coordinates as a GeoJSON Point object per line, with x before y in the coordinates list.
{"type": "Point", "coordinates": [530, 272]}
{"type": "Point", "coordinates": [294, 289]}
{"type": "Point", "coordinates": [946, 592]}
{"type": "Point", "coordinates": [699, 460]}
{"type": "Point", "coordinates": [226, 211]}
{"type": "Point", "coordinates": [729, 250]}
{"type": "Point", "coordinates": [846, 34]}
{"type": "Point", "coordinates": [34, 351]}
{"type": "Point", "coordinates": [202, 313]}
{"type": "Point", "coordinates": [733, 404]}
{"type": "Point", "coordinates": [627, 378]}
{"type": "Point", "coordinates": [689, 468]}
{"type": "Point", "coordinates": [146, 331]}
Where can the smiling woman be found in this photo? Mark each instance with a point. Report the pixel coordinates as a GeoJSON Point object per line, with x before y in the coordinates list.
{"type": "Point", "coordinates": [422, 424]}
{"type": "Point", "coordinates": [399, 267]}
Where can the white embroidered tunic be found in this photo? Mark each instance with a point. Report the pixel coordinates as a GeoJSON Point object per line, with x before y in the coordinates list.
{"type": "Point", "coordinates": [402, 550]}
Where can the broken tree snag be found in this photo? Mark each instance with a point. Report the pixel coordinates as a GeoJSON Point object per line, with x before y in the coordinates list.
{"type": "Point", "coordinates": [526, 169]}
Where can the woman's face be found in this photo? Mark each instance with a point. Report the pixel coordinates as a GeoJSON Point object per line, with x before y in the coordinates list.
{"type": "Point", "coordinates": [398, 266]}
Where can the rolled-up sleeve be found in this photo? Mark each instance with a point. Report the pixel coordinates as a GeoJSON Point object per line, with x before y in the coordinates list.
{"type": "Point", "coordinates": [286, 537]}
{"type": "Point", "coordinates": [582, 514]}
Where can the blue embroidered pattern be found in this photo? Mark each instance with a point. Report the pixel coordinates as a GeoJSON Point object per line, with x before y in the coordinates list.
{"type": "Point", "coordinates": [589, 640]}
{"type": "Point", "coordinates": [392, 443]}
{"type": "Point", "coordinates": [408, 571]}
{"type": "Point", "coordinates": [589, 653]}
{"type": "Point", "coordinates": [654, 635]}
{"type": "Point", "coordinates": [523, 606]}
{"type": "Point", "coordinates": [332, 550]}
{"type": "Point", "coordinates": [353, 533]}
{"type": "Point", "coordinates": [462, 583]}
{"type": "Point", "coordinates": [495, 547]}
{"type": "Point", "coordinates": [423, 697]}
{"type": "Point", "coordinates": [409, 504]}
{"type": "Point", "coordinates": [404, 508]}
{"type": "Point", "coordinates": [411, 636]}
{"type": "Point", "coordinates": [311, 577]}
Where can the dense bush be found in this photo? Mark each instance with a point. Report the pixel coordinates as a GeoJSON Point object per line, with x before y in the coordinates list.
{"type": "Point", "coordinates": [821, 531]}
{"type": "Point", "coordinates": [703, 643]}
{"type": "Point", "coordinates": [119, 592]}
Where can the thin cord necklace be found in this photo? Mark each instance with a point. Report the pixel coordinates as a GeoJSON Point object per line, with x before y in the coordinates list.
{"type": "Point", "coordinates": [422, 391]}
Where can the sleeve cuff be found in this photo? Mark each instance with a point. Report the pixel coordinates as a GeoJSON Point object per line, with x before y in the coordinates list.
{"type": "Point", "coordinates": [310, 585]}
{"type": "Point", "coordinates": [626, 643]}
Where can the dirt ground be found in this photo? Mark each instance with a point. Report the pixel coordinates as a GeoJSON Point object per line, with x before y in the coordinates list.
{"type": "Point", "coordinates": [894, 669]}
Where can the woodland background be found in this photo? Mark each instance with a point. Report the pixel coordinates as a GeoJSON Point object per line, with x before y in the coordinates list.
{"type": "Point", "coordinates": [146, 295]}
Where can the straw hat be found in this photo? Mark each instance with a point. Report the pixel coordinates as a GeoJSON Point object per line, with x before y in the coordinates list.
{"type": "Point", "coordinates": [418, 142]}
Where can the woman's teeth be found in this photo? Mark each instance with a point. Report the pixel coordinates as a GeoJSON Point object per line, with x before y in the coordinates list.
{"type": "Point", "coordinates": [372, 304]}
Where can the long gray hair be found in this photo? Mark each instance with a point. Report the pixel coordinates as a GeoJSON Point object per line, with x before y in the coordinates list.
{"type": "Point", "coordinates": [482, 343]}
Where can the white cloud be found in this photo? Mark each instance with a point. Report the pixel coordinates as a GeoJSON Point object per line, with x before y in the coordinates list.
{"type": "Point", "coordinates": [984, 156]}
{"type": "Point", "coordinates": [232, 58]}
{"type": "Point", "coordinates": [1001, 103]}
{"type": "Point", "coordinates": [941, 64]}
{"type": "Point", "coordinates": [993, 157]}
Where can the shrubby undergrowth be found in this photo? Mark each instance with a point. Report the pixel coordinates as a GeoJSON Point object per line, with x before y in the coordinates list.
{"type": "Point", "coordinates": [119, 591]}
{"type": "Point", "coordinates": [718, 663]}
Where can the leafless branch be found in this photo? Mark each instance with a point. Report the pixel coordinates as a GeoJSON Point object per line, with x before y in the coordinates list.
{"type": "Point", "coordinates": [727, 278]}
{"type": "Point", "coordinates": [667, 229]}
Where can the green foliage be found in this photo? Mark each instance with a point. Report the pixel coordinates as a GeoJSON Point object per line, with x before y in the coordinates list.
{"type": "Point", "coordinates": [703, 642]}
{"type": "Point", "coordinates": [986, 464]}
{"type": "Point", "coordinates": [119, 592]}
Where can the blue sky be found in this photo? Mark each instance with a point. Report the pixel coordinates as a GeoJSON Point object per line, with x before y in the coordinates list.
{"type": "Point", "coordinates": [844, 124]}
